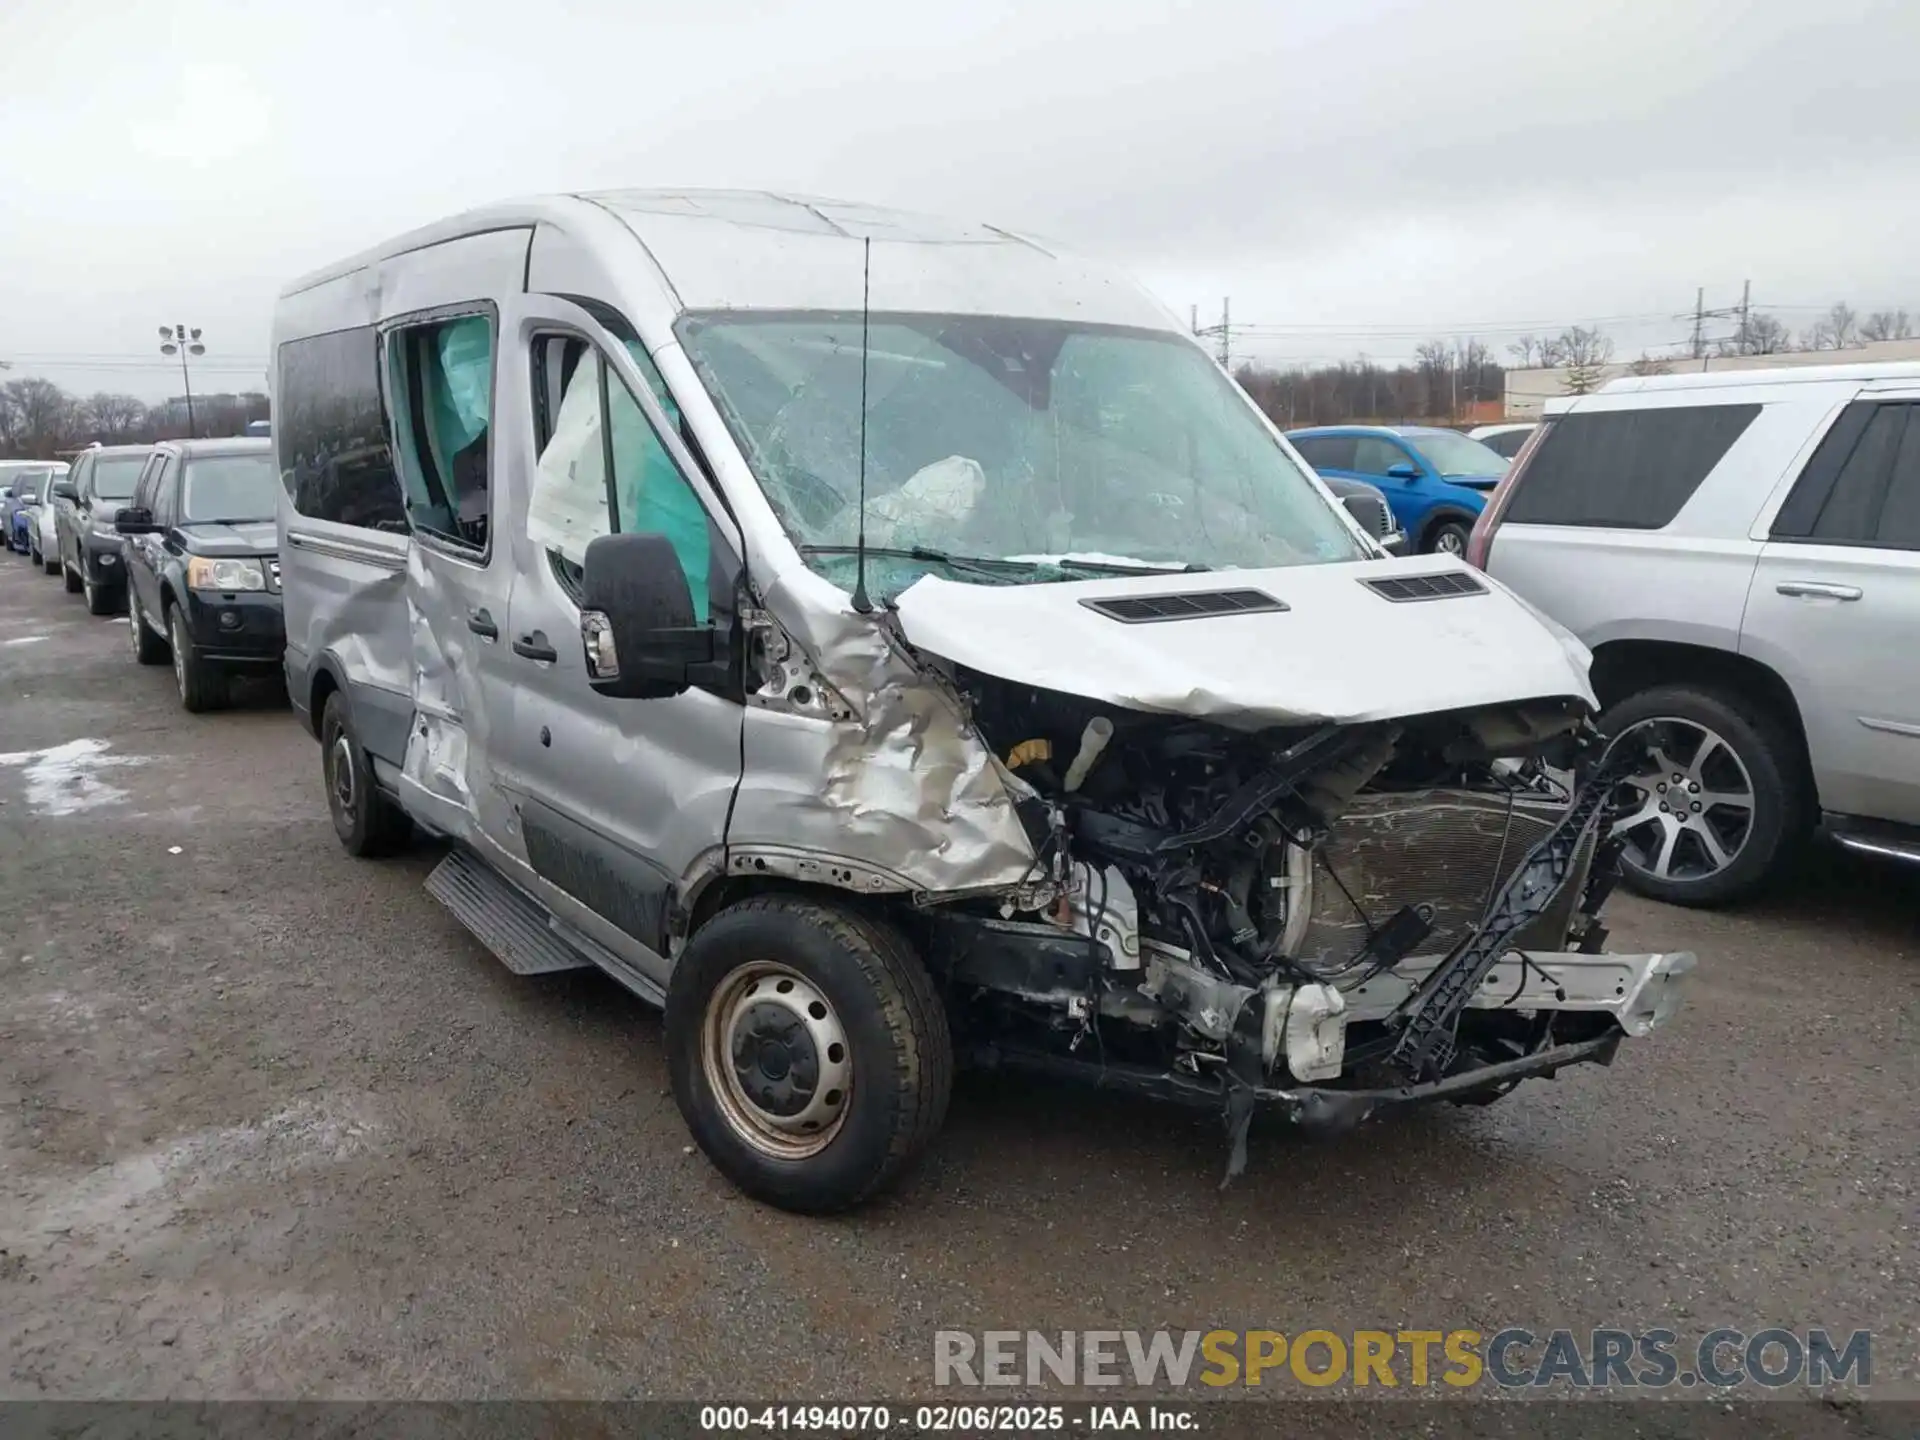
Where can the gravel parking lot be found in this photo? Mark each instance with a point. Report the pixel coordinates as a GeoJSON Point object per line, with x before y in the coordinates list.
{"type": "Point", "coordinates": [272, 1125]}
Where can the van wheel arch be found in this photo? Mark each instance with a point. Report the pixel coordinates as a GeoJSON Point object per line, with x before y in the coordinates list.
{"type": "Point", "coordinates": [324, 684]}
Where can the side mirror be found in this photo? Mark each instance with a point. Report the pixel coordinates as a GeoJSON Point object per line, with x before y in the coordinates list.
{"type": "Point", "coordinates": [637, 623]}
{"type": "Point", "coordinates": [64, 491]}
{"type": "Point", "coordinates": [1362, 508]}
{"type": "Point", "coordinates": [1402, 471]}
{"type": "Point", "coordinates": [134, 521]}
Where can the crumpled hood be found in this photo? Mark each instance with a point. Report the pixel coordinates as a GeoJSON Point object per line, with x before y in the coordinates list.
{"type": "Point", "coordinates": [240, 537]}
{"type": "Point", "coordinates": [1340, 652]}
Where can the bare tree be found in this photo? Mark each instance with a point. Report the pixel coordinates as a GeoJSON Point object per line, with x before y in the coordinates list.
{"type": "Point", "coordinates": [1886, 325]}
{"type": "Point", "coordinates": [40, 417]}
{"type": "Point", "coordinates": [1764, 335]}
{"type": "Point", "coordinates": [1577, 347]}
{"type": "Point", "coordinates": [1648, 365]}
{"type": "Point", "coordinates": [1527, 350]}
{"type": "Point", "coordinates": [1838, 329]}
{"type": "Point", "coordinates": [112, 417]}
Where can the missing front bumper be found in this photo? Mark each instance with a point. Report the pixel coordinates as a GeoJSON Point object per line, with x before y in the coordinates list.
{"type": "Point", "coordinates": [1638, 993]}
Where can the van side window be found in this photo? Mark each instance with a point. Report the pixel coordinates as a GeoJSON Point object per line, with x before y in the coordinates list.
{"type": "Point", "coordinates": [332, 435]}
{"type": "Point", "coordinates": [440, 391]}
{"type": "Point", "coordinates": [602, 470]}
{"type": "Point", "coordinates": [1861, 486]}
{"type": "Point", "coordinates": [1625, 469]}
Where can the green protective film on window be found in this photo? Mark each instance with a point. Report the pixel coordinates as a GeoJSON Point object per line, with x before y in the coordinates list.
{"type": "Point", "coordinates": [463, 399]}
{"type": "Point", "coordinates": [648, 487]}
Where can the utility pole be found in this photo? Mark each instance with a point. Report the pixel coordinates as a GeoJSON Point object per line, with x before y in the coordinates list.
{"type": "Point", "coordinates": [179, 340]}
{"type": "Point", "coordinates": [1226, 335]}
{"type": "Point", "coordinates": [1699, 318]}
{"type": "Point", "coordinates": [1746, 307]}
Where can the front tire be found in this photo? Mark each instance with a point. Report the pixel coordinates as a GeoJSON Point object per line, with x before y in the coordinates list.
{"type": "Point", "coordinates": [100, 599]}
{"type": "Point", "coordinates": [1449, 537]}
{"type": "Point", "coordinates": [808, 1051]}
{"type": "Point", "coordinates": [72, 576]}
{"type": "Point", "coordinates": [367, 822]}
{"type": "Point", "coordinates": [51, 563]}
{"type": "Point", "coordinates": [202, 686]}
{"type": "Point", "coordinates": [1721, 802]}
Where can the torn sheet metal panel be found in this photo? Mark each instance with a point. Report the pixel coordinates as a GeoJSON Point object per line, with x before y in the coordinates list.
{"type": "Point", "coordinates": [450, 749]}
{"type": "Point", "coordinates": [1338, 652]}
{"type": "Point", "coordinates": [906, 785]}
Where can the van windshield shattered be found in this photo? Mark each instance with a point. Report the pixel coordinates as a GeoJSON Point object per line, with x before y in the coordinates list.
{"type": "Point", "coordinates": [1006, 449]}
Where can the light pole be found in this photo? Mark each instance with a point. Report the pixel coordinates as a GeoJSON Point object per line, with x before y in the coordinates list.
{"type": "Point", "coordinates": [179, 340]}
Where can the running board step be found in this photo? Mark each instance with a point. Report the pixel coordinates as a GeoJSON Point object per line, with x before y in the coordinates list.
{"type": "Point", "coordinates": [501, 918]}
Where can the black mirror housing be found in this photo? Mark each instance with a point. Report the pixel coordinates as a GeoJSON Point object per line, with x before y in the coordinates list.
{"type": "Point", "coordinates": [134, 521]}
{"type": "Point", "coordinates": [637, 622]}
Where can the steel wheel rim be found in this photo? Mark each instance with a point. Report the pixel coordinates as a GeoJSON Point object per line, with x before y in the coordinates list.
{"type": "Point", "coordinates": [1697, 802]}
{"type": "Point", "coordinates": [777, 1060]}
{"type": "Point", "coordinates": [340, 763]}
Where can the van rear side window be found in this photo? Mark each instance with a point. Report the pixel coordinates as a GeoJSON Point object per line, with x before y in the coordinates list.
{"type": "Point", "coordinates": [1625, 469]}
{"type": "Point", "coordinates": [332, 442]}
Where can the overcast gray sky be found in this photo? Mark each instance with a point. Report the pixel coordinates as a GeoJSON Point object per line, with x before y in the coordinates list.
{"type": "Point", "coordinates": [1363, 174]}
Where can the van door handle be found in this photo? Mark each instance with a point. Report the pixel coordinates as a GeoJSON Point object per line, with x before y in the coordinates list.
{"type": "Point", "coordinates": [535, 647]}
{"type": "Point", "coordinates": [1818, 589]}
{"type": "Point", "coordinates": [481, 623]}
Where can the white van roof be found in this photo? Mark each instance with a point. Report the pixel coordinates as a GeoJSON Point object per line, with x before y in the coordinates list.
{"type": "Point", "coordinates": [738, 249]}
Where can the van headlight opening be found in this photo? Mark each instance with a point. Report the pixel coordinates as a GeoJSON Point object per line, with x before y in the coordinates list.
{"type": "Point", "coordinates": [204, 573]}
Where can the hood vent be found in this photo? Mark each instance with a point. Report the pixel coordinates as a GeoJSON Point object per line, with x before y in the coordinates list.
{"type": "Point", "coordinates": [1445, 586]}
{"type": "Point", "coordinates": [1196, 605]}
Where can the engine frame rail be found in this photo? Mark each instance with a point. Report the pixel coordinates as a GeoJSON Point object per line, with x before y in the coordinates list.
{"type": "Point", "coordinates": [1427, 1020]}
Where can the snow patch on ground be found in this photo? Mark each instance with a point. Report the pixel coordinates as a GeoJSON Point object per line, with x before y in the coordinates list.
{"type": "Point", "coordinates": [66, 779]}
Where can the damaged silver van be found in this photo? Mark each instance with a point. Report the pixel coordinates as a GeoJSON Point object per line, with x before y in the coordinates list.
{"type": "Point", "coordinates": [890, 644]}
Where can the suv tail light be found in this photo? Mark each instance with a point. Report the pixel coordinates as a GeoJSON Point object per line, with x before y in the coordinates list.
{"type": "Point", "coordinates": [1480, 542]}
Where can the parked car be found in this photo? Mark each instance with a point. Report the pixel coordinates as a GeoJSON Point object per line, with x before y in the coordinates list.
{"type": "Point", "coordinates": [203, 578]}
{"type": "Point", "coordinates": [872, 737]}
{"type": "Point", "coordinates": [1435, 480]}
{"type": "Point", "coordinates": [44, 541]}
{"type": "Point", "coordinates": [1369, 506]}
{"type": "Point", "coordinates": [1742, 552]}
{"type": "Point", "coordinates": [23, 493]}
{"type": "Point", "coordinates": [1504, 440]}
{"type": "Point", "coordinates": [101, 483]}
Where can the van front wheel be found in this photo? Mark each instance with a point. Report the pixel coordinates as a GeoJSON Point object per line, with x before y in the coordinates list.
{"type": "Point", "coordinates": [808, 1050]}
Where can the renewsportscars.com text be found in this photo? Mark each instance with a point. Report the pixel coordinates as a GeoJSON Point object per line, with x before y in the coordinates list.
{"type": "Point", "coordinates": [1392, 1359]}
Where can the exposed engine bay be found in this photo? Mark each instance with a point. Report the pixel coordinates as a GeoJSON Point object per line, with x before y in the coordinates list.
{"type": "Point", "coordinates": [1328, 918]}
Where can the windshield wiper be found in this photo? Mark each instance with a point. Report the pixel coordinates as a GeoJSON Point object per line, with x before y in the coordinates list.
{"type": "Point", "coordinates": [237, 520]}
{"type": "Point", "coordinates": [997, 569]}
{"type": "Point", "coordinates": [1004, 566]}
{"type": "Point", "coordinates": [1114, 567]}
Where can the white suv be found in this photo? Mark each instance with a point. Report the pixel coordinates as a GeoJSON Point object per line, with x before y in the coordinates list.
{"type": "Point", "coordinates": [1741, 551]}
